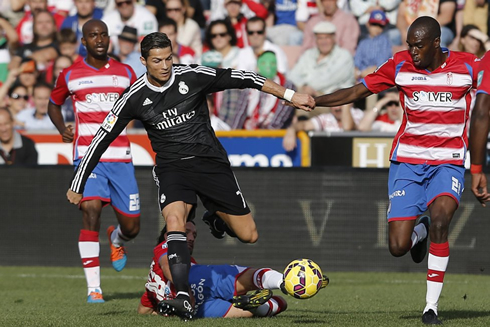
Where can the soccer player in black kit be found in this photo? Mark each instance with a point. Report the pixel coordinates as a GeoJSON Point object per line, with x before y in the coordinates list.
{"type": "Point", "coordinates": [170, 100]}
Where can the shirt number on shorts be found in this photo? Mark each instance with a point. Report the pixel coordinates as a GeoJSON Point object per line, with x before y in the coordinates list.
{"type": "Point", "coordinates": [134, 202]}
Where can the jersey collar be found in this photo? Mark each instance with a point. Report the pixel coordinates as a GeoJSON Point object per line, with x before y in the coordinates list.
{"type": "Point", "coordinates": [163, 88]}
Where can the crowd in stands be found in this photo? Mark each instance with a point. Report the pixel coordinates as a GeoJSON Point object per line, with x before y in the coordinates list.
{"type": "Point", "coordinates": [312, 46]}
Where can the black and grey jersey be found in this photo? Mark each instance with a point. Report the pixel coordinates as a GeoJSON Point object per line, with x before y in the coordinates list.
{"type": "Point", "coordinates": [175, 116]}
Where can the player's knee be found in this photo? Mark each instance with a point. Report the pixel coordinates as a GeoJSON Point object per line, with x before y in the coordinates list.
{"type": "Point", "coordinates": [398, 249]}
{"type": "Point", "coordinates": [249, 237]}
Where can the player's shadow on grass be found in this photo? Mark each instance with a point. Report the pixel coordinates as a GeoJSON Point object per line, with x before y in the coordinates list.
{"type": "Point", "coordinates": [123, 296]}
{"type": "Point", "coordinates": [454, 314]}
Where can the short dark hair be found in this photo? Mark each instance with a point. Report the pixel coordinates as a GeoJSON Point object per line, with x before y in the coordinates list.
{"type": "Point", "coordinates": [167, 21]}
{"type": "Point", "coordinates": [254, 20]}
{"type": "Point", "coordinates": [41, 84]}
{"type": "Point", "coordinates": [229, 30]}
{"type": "Point", "coordinates": [13, 87]}
{"type": "Point", "coordinates": [66, 35]}
{"type": "Point", "coordinates": [155, 40]}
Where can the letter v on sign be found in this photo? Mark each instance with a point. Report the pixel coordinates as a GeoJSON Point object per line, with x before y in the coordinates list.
{"type": "Point", "coordinates": [316, 234]}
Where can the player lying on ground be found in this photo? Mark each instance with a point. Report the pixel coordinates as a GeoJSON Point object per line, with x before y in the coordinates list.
{"type": "Point", "coordinates": [219, 291]}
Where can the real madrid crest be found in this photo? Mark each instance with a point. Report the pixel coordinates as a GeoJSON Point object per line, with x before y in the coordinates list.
{"type": "Point", "coordinates": [449, 80]}
{"type": "Point", "coordinates": [183, 88]}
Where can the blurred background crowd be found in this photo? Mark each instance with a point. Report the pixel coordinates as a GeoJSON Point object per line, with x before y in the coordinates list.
{"type": "Point", "coordinates": [312, 46]}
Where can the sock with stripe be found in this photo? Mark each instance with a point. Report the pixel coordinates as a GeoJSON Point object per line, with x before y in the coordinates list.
{"type": "Point", "coordinates": [89, 247]}
{"type": "Point", "coordinates": [266, 278]}
{"type": "Point", "coordinates": [118, 238]}
{"type": "Point", "coordinates": [437, 264]}
{"type": "Point", "coordinates": [179, 260]}
{"type": "Point", "coordinates": [274, 306]}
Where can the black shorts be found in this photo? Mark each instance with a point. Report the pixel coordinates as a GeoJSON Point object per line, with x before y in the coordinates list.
{"type": "Point", "coordinates": [214, 182]}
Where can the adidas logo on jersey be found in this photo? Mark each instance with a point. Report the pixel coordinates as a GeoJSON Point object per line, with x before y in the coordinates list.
{"type": "Point", "coordinates": [147, 102]}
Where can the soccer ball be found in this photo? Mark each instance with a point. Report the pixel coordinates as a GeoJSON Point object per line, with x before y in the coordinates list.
{"type": "Point", "coordinates": [302, 278]}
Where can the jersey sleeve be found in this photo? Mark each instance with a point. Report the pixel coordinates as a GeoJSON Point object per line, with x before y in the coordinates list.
{"type": "Point", "coordinates": [483, 79]}
{"type": "Point", "coordinates": [382, 78]}
{"type": "Point", "coordinates": [60, 91]}
{"type": "Point", "coordinates": [114, 123]}
{"type": "Point", "coordinates": [236, 79]}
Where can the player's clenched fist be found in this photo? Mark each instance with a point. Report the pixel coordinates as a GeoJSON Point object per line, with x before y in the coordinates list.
{"type": "Point", "coordinates": [73, 197]}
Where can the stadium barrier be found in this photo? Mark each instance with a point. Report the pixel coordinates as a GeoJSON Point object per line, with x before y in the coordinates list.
{"type": "Point", "coordinates": [335, 216]}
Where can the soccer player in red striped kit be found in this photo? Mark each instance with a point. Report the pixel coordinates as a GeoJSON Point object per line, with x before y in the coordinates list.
{"type": "Point", "coordinates": [94, 85]}
{"type": "Point", "coordinates": [429, 150]}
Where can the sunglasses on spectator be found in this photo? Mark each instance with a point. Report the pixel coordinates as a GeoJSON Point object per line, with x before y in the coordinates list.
{"type": "Point", "coordinates": [127, 2]}
{"type": "Point", "coordinates": [173, 9]}
{"type": "Point", "coordinates": [256, 32]}
{"type": "Point", "coordinates": [19, 96]}
{"type": "Point", "coordinates": [392, 103]}
{"type": "Point", "coordinates": [213, 36]}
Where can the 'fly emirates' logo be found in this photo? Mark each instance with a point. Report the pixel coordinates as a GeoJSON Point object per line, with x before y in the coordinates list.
{"type": "Point", "coordinates": [440, 97]}
{"type": "Point", "coordinates": [172, 118]}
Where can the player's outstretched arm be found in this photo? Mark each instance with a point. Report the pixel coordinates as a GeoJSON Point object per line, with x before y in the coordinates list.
{"type": "Point", "coordinates": [478, 141]}
{"type": "Point", "coordinates": [298, 100]}
{"type": "Point", "coordinates": [343, 96]}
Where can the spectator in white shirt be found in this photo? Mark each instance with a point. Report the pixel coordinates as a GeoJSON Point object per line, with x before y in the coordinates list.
{"type": "Point", "coordinates": [37, 117]}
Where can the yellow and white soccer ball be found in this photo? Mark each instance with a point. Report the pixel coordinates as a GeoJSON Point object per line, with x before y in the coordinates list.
{"type": "Point", "coordinates": [302, 278]}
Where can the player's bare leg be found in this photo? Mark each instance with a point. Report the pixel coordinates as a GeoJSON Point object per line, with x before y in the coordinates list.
{"type": "Point", "coordinates": [179, 260]}
{"type": "Point", "coordinates": [400, 233]}
{"type": "Point", "coordinates": [243, 226]}
{"type": "Point", "coordinates": [127, 229]}
{"type": "Point", "coordinates": [89, 247]}
{"type": "Point", "coordinates": [441, 210]}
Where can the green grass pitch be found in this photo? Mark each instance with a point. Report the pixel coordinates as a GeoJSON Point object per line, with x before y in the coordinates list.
{"type": "Point", "coordinates": [41, 296]}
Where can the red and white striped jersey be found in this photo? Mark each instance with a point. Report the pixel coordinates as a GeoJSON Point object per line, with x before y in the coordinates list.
{"type": "Point", "coordinates": [436, 107]}
{"type": "Point", "coordinates": [158, 286]}
{"type": "Point", "coordinates": [484, 75]}
{"type": "Point", "coordinates": [94, 92]}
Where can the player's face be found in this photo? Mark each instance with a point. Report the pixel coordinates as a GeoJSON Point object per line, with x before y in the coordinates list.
{"type": "Point", "coordinates": [191, 233]}
{"type": "Point", "coordinates": [6, 127]}
{"type": "Point", "coordinates": [422, 47]}
{"type": "Point", "coordinates": [97, 40]}
{"type": "Point", "coordinates": [158, 65]}
{"type": "Point", "coordinates": [85, 8]}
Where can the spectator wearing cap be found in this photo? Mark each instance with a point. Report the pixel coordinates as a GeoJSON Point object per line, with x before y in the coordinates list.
{"type": "Point", "coordinates": [185, 54]}
{"type": "Point", "coordinates": [324, 68]}
{"type": "Point", "coordinates": [86, 10]}
{"type": "Point", "coordinates": [347, 27]}
{"type": "Point", "coordinates": [128, 51]}
{"type": "Point", "coordinates": [128, 13]}
{"type": "Point", "coordinates": [362, 9]}
{"type": "Point", "coordinates": [376, 48]}
{"type": "Point", "coordinates": [257, 38]}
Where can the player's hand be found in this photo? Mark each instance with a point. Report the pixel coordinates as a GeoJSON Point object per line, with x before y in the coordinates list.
{"type": "Point", "coordinates": [73, 197]}
{"type": "Point", "coordinates": [67, 134]}
{"type": "Point", "coordinates": [479, 188]}
{"type": "Point", "coordinates": [303, 101]}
